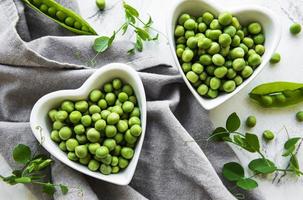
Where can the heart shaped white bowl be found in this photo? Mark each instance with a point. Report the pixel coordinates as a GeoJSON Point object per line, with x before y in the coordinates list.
{"type": "Point", "coordinates": [41, 125]}
{"type": "Point", "coordinates": [245, 14]}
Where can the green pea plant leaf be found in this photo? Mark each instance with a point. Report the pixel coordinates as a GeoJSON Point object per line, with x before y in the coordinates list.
{"type": "Point", "coordinates": [234, 172]}
{"type": "Point", "coordinates": [132, 21]}
{"type": "Point", "coordinates": [31, 171]}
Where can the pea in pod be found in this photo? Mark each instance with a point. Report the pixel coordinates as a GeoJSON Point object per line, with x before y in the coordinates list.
{"type": "Point", "coordinates": [61, 15]}
{"type": "Point", "coordinates": [277, 94]}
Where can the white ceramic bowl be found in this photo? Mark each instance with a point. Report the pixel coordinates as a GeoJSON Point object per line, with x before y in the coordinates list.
{"type": "Point", "coordinates": [41, 125]}
{"type": "Point", "coordinates": [245, 14]}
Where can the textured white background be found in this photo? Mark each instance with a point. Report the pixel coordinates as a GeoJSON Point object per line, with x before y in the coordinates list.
{"type": "Point", "coordinates": [290, 69]}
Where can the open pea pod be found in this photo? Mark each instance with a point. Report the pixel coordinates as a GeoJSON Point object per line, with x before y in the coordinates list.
{"type": "Point", "coordinates": [277, 94]}
{"type": "Point", "coordinates": [61, 15]}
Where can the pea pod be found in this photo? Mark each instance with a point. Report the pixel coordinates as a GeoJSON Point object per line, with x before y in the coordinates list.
{"type": "Point", "coordinates": [277, 94]}
{"type": "Point", "coordinates": [61, 15]}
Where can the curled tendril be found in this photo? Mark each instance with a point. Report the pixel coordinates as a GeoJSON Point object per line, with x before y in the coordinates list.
{"type": "Point", "coordinates": [42, 138]}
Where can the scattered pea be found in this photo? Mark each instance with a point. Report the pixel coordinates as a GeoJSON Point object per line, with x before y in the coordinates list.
{"type": "Point", "coordinates": [299, 116]}
{"type": "Point", "coordinates": [295, 28]}
{"type": "Point", "coordinates": [268, 135]}
{"type": "Point", "coordinates": [101, 4]}
{"type": "Point", "coordinates": [251, 121]}
{"type": "Point", "coordinates": [275, 58]}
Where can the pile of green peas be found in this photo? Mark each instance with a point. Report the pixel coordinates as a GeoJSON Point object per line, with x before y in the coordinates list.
{"type": "Point", "coordinates": [101, 131]}
{"type": "Point", "coordinates": [217, 54]}
{"type": "Point", "coordinates": [57, 12]}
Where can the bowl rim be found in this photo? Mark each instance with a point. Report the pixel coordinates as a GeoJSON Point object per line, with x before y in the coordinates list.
{"type": "Point", "coordinates": [83, 89]}
{"type": "Point", "coordinates": [204, 102]}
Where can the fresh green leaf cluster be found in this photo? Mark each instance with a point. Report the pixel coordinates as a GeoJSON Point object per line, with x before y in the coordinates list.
{"type": "Point", "coordinates": [234, 172]}
{"type": "Point", "coordinates": [132, 18]}
{"type": "Point", "coordinates": [31, 171]}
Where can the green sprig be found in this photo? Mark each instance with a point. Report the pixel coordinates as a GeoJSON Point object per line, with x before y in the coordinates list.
{"type": "Point", "coordinates": [31, 171]}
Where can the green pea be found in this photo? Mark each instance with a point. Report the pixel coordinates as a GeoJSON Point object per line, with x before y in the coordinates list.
{"type": "Point", "coordinates": [104, 114]}
{"type": "Point", "coordinates": [93, 165]}
{"type": "Point", "coordinates": [237, 52]}
{"type": "Point", "coordinates": [113, 118]}
{"type": "Point", "coordinates": [43, 8]}
{"type": "Point", "coordinates": [205, 59]}
{"type": "Point", "coordinates": [67, 106]}
{"type": "Point", "coordinates": [235, 23]}
{"type": "Point", "coordinates": [129, 138]}
{"type": "Point", "coordinates": [254, 60]}
{"type": "Point", "coordinates": [102, 152]}
{"type": "Point", "coordinates": [192, 76]}
{"type": "Point", "coordinates": [179, 52]}
{"type": "Point", "coordinates": [207, 18]}
{"type": "Point", "coordinates": [105, 169]}
{"type": "Point", "coordinates": [92, 147]}
{"type": "Point", "coordinates": [72, 156]}
{"type": "Point", "coordinates": [107, 160]}
{"type": "Point", "coordinates": [79, 129]}
{"type": "Point", "coordinates": [55, 136]}
{"type": "Point", "coordinates": [295, 28]}
{"type": "Point", "coordinates": [93, 135]}
{"type": "Point", "coordinates": [224, 40]}
{"type": "Point", "coordinates": [86, 120]}
{"type": "Point", "coordinates": [84, 28]}
{"type": "Point", "coordinates": [280, 98]}
{"type": "Point", "coordinates": [114, 161]}
{"type": "Point", "coordinates": [37, 3]}
{"type": "Point", "coordinates": [179, 31]}
{"type": "Point", "coordinates": [95, 95]}
{"type": "Point", "coordinates": [123, 163]}
{"type": "Point", "coordinates": [133, 99]}
{"type": "Point", "coordinates": [299, 116]}
{"type": "Point", "coordinates": [215, 83]}
{"type": "Point", "coordinates": [52, 114]}
{"type": "Point", "coordinates": [110, 144]}
{"type": "Point", "coordinates": [136, 130]}
{"type": "Point", "coordinates": [57, 125]}
{"type": "Point", "coordinates": [224, 51]}
{"type": "Point", "coordinates": [69, 21]}
{"type": "Point", "coordinates": [220, 72]}
{"type": "Point", "coordinates": [117, 84]}
{"type": "Point", "coordinates": [197, 68]}
{"type": "Point", "coordinates": [52, 11]}
{"type": "Point", "coordinates": [229, 86]}
{"type": "Point", "coordinates": [259, 49]}
{"type": "Point", "coordinates": [81, 106]}
{"type": "Point", "coordinates": [254, 28]}
{"type": "Point", "coordinates": [187, 55]}
{"type": "Point", "coordinates": [275, 58]}
{"type": "Point", "coordinates": [240, 33]}
{"type": "Point", "coordinates": [189, 34]}
{"type": "Point", "coordinates": [218, 60]}
{"type": "Point", "coordinates": [81, 151]}
{"type": "Point", "coordinates": [204, 43]}
{"type": "Point", "coordinates": [71, 144]}
{"type": "Point", "coordinates": [259, 39]}
{"type": "Point", "coordinates": [225, 18]}
{"type": "Point", "coordinates": [238, 80]}
{"type": "Point", "coordinates": [85, 160]}
{"type": "Point", "coordinates": [202, 89]}
{"type": "Point", "coordinates": [251, 121]}
{"type": "Point", "coordinates": [134, 120]}
{"type": "Point", "coordinates": [192, 42]}
{"type": "Point", "coordinates": [268, 135]}
{"type": "Point", "coordinates": [244, 47]}
{"type": "Point", "coordinates": [75, 117]}
{"type": "Point", "coordinates": [212, 93]}
{"type": "Point", "coordinates": [266, 100]}
{"type": "Point", "coordinates": [214, 48]}
{"type": "Point", "coordinates": [230, 30]}
{"type": "Point", "coordinates": [248, 42]}
{"type": "Point", "coordinates": [61, 115]}
{"type": "Point", "coordinates": [127, 153]}
{"type": "Point", "coordinates": [186, 67]}
{"type": "Point", "coordinates": [190, 24]}
{"type": "Point", "coordinates": [228, 64]}
{"type": "Point", "coordinates": [213, 34]}
{"type": "Point", "coordinates": [210, 70]}
{"type": "Point", "coordinates": [82, 139]}
{"type": "Point", "coordinates": [236, 41]}
{"type": "Point", "coordinates": [101, 4]}
{"type": "Point", "coordinates": [247, 72]}
{"type": "Point", "coordinates": [110, 131]}
{"type": "Point", "coordinates": [202, 27]}
{"type": "Point", "coordinates": [77, 25]}
{"type": "Point", "coordinates": [239, 64]}
{"type": "Point", "coordinates": [183, 18]}
{"type": "Point", "coordinates": [231, 73]}
{"type": "Point", "coordinates": [61, 15]}
{"type": "Point", "coordinates": [128, 106]}
{"type": "Point", "coordinates": [62, 146]}
{"type": "Point", "coordinates": [65, 133]}
{"type": "Point", "coordinates": [215, 25]}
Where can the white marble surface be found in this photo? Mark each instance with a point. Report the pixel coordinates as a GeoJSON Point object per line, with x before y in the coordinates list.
{"type": "Point", "coordinates": [290, 68]}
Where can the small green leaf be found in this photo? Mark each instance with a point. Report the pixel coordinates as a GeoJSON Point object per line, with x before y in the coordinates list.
{"type": "Point", "coordinates": [233, 171]}
{"type": "Point", "coordinates": [263, 166]}
{"type": "Point", "coordinates": [218, 134]}
{"type": "Point", "coordinates": [129, 17]}
{"type": "Point", "coordinates": [101, 44]}
{"type": "Point", "coordinates": [22, 154]}
{"type": "Point", "coordinates": [49, 189]}
{"type": "Point", "coordinates": [252, 142]}
{"type": "Point", "coordinates": [294, 164]}
{"type": "Point", "coordinates": [247, 184]}
{"type": "Point", "coordinates": [111, 39]}
{"type": "Point", "coordinates": [139, 44]}
{"type": "Point", "coordinates": [131, 51]}
{"type": "Point", "coordinates": [156, 37]}
{"type": "Point", "coordinates": [149, 22]}
{"type": "Point", "coordinates": [23, 180]}
{"type": "Point", "coordinates": [144, 35]}
{"type": "Point", "coordinates": [124, 28]}
{"type": "Point", "coordinates": [233, 122]}
{"type": "Point", "coordinates": [64, 189]}
{"type": "Point", "coordinates": [130, 9]}
{"type": "Point", "coordinates": [240, 140]}
{"type": "Point", "coordinates": [290, 146]}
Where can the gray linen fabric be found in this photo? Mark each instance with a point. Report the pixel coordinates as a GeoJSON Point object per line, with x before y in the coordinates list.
{"type": "Point", "coordinates": [37, 57]}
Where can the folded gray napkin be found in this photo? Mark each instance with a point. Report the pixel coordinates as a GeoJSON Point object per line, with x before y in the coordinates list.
{"type": "Point", "coordinates": [37, 57]}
